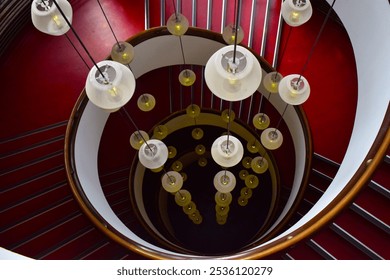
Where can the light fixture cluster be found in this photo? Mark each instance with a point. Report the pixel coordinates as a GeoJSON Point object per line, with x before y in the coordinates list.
{"type": "Point", "coordinates": [233, 73]}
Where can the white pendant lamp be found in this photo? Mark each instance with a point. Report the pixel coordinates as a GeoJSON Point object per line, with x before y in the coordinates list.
{"type": "Point", "coordinates": [224, 181]}
{"type": "Point", "coordinates": [296, 12]}
{"type": "Point", "coordinates": [113, 90]}
{"type": "Point", "coordinates": [48, 19]}
{"type": "Point", "coordinates": [294, 89]}
{"type": "Point", "coordinates": [138, 138]}
{"type": "Point", "coordinates": [233, 79]}
{"type": "Point", "coordinates": [122, 52]}
{"type": "Point", "coordinates": [229, 34]}
{"type": "Point", "coordinates": [271, 138]}
{"type": "Point", "coordinates": [271, 81]}
{"type": "Point", "coordinates": [172, 181]}
{"type": "Point", "coordinates": [227, 151]}
{"type": "Point", "coordinates": [177, 24]}
{"type": "Point", "coordinates": [153, 154]}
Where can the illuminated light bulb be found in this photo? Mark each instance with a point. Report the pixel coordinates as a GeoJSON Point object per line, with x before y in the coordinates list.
{"type": "Point", "coordinates": [271, 138]}
{"type": "Point", "coordinates": [229, 34]}
{"type": "Point", "coordinates": [200, 149]}
{"type": "Point", "coordinates": [259, 165]}
{"type": "Point", "coordinates": [202, 162]}
{"type": "Point", "coordinates": [193, 111]}
{"type": "Point", "coordinates": [294, 16]}
{"type": "Point", "coordinates": [223, 199]}
{"type": "Point", "coordinates": [197, 133]}
{"type": "Point", "coordinates": [137, 139]}
{"type": "Point", "coordinates": [171, 152]}
{"type": "Point", "coordinates": [222, 210]}
{"type": "Point", "coordinates": [153, 154]}
{"type": "Point", "coordinates": [261, 121]}
{"type": "Point", "coordinates": [271, 81]}
{"type": "Point", "coordinates": [224, 181]}
{"type": "Point", "coordinates": [251, 181]}
{"type": "Point", "coordinates": [242, 201]}
{"type": "Point", "coordinates": [122, 52]}
{"type": "Point", "coordinates": [182, 197]}
{"type": "Point", "coordinates": [177, 166]}
{"type": "Point", "coordinates": [146, 102]}
{"type": "Point", "coordinates": [225, 115]}
{"type": "Point", "coordinates": [160, 132]}
{"type": "Point", "coordinates": [172, 181]}
{"type": "Point", "coordinates": [243, 173]}
{"type": "Point", "coordinates": [246, 162]}
{"type": "Point", "coordinates": [253, 146]}
{"type": "Point", "coordinates": [189, 208]}
{"type": "Point", "coordinates": [177, 24]}
{"type": "Point", "coordinates": [246, 192]}
{"type": "Point", "coordinates": [47, 18]}
{"type": "Point", "coordinates": [187, 77]}
{"type": "Point", "coordinates": [227, 151]}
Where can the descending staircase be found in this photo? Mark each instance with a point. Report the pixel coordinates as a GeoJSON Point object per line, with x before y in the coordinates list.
{"type": "Point", "coordinates": [41, 219]}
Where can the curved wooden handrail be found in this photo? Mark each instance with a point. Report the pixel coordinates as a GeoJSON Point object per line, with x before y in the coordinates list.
{"type": "Point", "coordinates": [99, 221]}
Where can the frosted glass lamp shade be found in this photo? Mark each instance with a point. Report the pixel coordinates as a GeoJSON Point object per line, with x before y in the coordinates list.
{"type": "Point", "coordinates": [242, 201]}
{"type": "Point", "coordinates": [228, 115]}
{"type": "Point", "coordinates": [261, 121]}
{"type": "Point", "coordinates": [243, 173]}
{"type": "Point", "coordinates": [271, 82]}
{"type": "Point", "coordinates": [259, 165]}
{"type": "Point", "coordinates": [48, 19]}
{"type": "Point", "coordinates": [223, 199]}
{"type": "Point", "coordinates": [137, 139]}
{"type": "Point", "coordinates": [113, 90]}
{"type": "Point", "coordinates": [251, 181]}
{"type": "Point", "coordinates": [172, 181]}
{"type": "Point", "coordinates": [171, 152]}
{"type": "Point", "coordinates": [233, 80]}
{"type": "Point", "coordinates": [246, 192]}
{"type": "Point", "coordinates": [246, 162]}
{"type": "Point", "coordinates": [200, 149]}
{"type": "Point", "coordinates": [294, 89]}
{"type": "Point", "coordinates": [271, 138]}
{"type": "Point", "coordinates": [146, 102]}
{"type": "Point", "coordinates": [154, 154]}
{"type": "Point", "coordinates": [189, 208]}
{"type": "Point", "coordinates": [222, 210]}
{"type": "Point", "coordinates": [224, 181]}
{"type": "Point", "coordinates": [177, 24]}
{"type": "Point", "coordinates": [160, 132]}
{"type": "Point", "coordinates": [229, 34]}
{"type": "Point", "coordinates": [253, 146]}
{"type": "Point", "coordinates": [187, 77]}
{"type": "Point", "coordinates": [202, 162]}
{"type": "Point", "coordinates": [296, 12]}
{"type": "Point", "coordinates": [193, 111]}
{"type": "Point", "coordinates": [183, 198]}
{"type": "Point", "coordinates": [227, 152]}
{"type": "Point", "coordinates": [122, 52]}
{"type": "Point", "coordinates": [197, 133]}
{"type": "Point", "coordinates": [177, 166]}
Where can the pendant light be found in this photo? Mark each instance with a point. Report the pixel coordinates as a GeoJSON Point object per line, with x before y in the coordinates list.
{"type": "Point", "coordinates": [296, 12]}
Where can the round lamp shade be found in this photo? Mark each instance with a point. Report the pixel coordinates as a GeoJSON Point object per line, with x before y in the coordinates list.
{"type": "Point", "coordinates": [197, 133]}
{"type": "Point", "coordinates": [172, 181]}
{"type": "Point", "coordinates": [229, 34]}
{"type": "Point", "coordinates": [271, 138]}
{"type": "Point", "coordinates": [202, 162]}
{"type": "Point", "coordinates": [228, 115]}
{"type": "Point", "coordinates": [294, 89]}
{"type": "Point", "coordinates": [146, 102]}
{"type": "Point", "coordinates": [261, 121]}
{"type": "Point", "coordinates": [271, 82]}
{"type": "Point", "coordinates": [160, 132]}
{"type": "Point", "coordinates": [177, 24]}
{"type": "Point", "coordinates": [183, 198]}
{"type": "Point", "coordinates": [224, 181]}
{"type": "Point", "coordinates": [193, 111]}
{"type": "Point", "coordinates": [189, 208]}
{"type": "Point", "coordinates": [200, 149]}
{"type": "Point", "coordinates": [171, 152]}
{"type": "Point", "coordinates": [259, 165]}
{"type": "Point", "coordinates": [153, 154]}
{"type": "Point", "coordinates": [243, 173]}
{"type": "Point", "coordinates": [113, 90]}
{"type": "Point", "coordinates": [187, 77]}
{"type": "Point", "coordinates": [227, 151]}
{"type": "Point", "coordinates": [137, 139]}
{"type": "Point", "coordinates": [48, 19]}
{"type": "Point", "coordinates": [246, 192]}
{"type": "Point", "coordinates": [253, 146]}
{"type": "Point", "coordinates": [223, 199]}
{"type": "Point", "coordinates": [233, 80]}
{"type": "Point", "coordinates": [251, 181]}
{"type": "Point", "coordinates": [122, 52]}
{"type": "Point", "coordinates": [296, 12]}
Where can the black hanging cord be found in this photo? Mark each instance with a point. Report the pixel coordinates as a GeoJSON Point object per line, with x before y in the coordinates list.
{"type": "Point", "coordinates": [237, 9]}
{"type": "Point", "coordinates": [112, 30]}
{"type": "Point", "coordinates": [74, 47]}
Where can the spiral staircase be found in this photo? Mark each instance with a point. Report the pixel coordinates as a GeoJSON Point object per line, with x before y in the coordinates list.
{"type": "Point", "coordinates": [43, 76]}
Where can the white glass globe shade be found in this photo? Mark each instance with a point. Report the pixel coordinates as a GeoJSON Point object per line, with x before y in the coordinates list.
{"type": "Point", "coordinates": [261, 121]}
{"type": "Point", "coordinates": [271, 138]}
{"type": "Point", "coordinates": [271, 82]}
{"type": "Point", "coordinates": [122, 52]}
{"type": "Point", "coordinates": [153, 154]}
{"type": "Point", "coordinates": [296, 12]}
{"type": "Point", "coordinates": [294, 89]}
{"type": "Point", "coordinates": [259, 165]}
{"type": "Point", "coordinates": [223, 199]}
{"type": "Point", "coordinates": [183, 198]}
{"type": "Point", "coordinates": [224, 181]}
{"type": "Point", "coordinates": [172, 181]}
{"type": "Point", "coordinates": [113, 90]}
{"type": "Point", "coordinates": [233, 80]}
{"type": "Point", "coordinates": [137, 139]}
{"type": "Point", "coordinates": [187, 77]}
{"type": "Point", "coordinates": [177, 24]}
{"type": "Point", "coordinates": [229, 34]}
{"type": "Point", "coordinates": [227, 152]}
{"type": "Point", "coordinates": [146, 102]}
{"type": "Point", "coordinates": [48, 19]}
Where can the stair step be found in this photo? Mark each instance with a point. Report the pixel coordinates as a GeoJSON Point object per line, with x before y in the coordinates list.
{"type": "Point", "coordinates": [303, 251]}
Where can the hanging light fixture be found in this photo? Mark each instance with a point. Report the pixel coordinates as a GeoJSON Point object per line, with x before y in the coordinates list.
{"type": "Point", "coordinates": [296, 12]}
{"type": "Point", "coordinates": [47, 18]}
{"type": "Point", "coordinates": [138, 138]}
{"type": "Point", "coordinates": [146, 102]}
{"type": "Point", "coordinates": [227, 151]}
{"type": "Point", "coordinates": [294, 89]}
{"type": "Point", "coordinates": [153, 154]}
